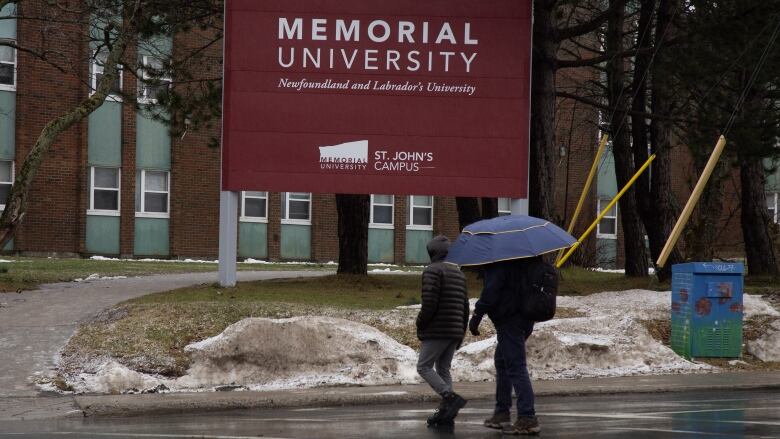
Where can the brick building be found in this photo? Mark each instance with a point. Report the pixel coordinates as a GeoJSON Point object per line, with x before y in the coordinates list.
{"type": "Point", "coordinates": [120, 185]}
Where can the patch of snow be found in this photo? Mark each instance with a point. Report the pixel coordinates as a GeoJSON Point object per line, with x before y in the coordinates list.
{"type": "Point", "coordinates": [5, 261]}
{"type": "Point", "coordinates": [767, 348]}
{"type": "Point", "coordinates": [650, 270]}
{"type": "Point", "coordinates": [387, 270]}
{"type": "Point", "coordinates": [737, 363]}
{"type": "Point", "coordinates": [96, 276]}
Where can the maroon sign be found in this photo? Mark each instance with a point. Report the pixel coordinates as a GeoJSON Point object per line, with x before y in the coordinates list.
{"type": "Point", "coordinates": [376, 96]}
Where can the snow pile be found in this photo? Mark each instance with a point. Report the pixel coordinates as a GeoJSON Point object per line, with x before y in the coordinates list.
{"type": "Point", "coordinates": [767, 348]}
{"type": "Point", "coordinates": [96, 276]}
{"type": "Point", "coordinates": [269, 354]}
{"type": "Point", "coordinates": [389, 271]}
{"type": "Point", "coordinates": [610, 339]}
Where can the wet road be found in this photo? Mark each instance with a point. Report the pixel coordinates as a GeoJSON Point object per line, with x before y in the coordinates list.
{"type": "Point", "coordinates": [737, 414]}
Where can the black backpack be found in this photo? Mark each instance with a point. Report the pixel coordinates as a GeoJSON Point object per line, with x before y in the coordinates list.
{"type": "Point", "coordinates": [541, 288]}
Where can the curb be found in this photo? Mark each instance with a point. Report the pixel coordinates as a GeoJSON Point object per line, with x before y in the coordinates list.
{"type": "Point", "coordinates": [178, 403]}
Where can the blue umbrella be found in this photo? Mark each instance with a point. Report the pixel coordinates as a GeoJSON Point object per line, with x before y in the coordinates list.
{"type": "Point", "coordinates": [505, 238]}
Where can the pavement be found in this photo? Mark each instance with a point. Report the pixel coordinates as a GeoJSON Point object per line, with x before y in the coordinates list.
{"type": "Point", "coordinates": [35, 325]}
{"type": "Point", "coordinates": [738, 414]}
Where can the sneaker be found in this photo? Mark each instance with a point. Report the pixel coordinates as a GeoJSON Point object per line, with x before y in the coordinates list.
{"type": "Point", "coordinates": [525, 425]}
{"type": "Point", "coordinates": [498, 421]}
{"type": "Point", "coordinates": [452, 405]}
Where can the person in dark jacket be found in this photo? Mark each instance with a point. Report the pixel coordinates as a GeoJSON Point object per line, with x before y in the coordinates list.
{"type": "Point", "coordinates": [500, 300]}
{"type": "Point", "coordinates": [441, 326]}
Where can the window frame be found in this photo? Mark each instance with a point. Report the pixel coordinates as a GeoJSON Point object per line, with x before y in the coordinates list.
{"type": "Point", "coordinates": [286, 209]}
{"type": "Point", "coordinates": [12, 87]}
{"type": "Point", "coordinates": [599, 208]}
{"type": "Point", "coordinates": [142, 187]}
{"type": "Point", "coordinates": [13, 180]}
{"type": "Point", "coordinates": [410, 216]}
{"type": "Point", "coordinates": [94, 67]}
{"type": "Point", "coordinates": [92, 188]}
{"type": "Point", "coordinates": [143, 97]}
{"type": "Point", "coordinates": [374, 225]}
{"type": "Point", "coordinates": [253, 219]}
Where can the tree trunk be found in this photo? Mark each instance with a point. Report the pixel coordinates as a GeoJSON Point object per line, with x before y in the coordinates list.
{"type": "Point", "coordinates": [16, 205]}
{"type": "Point", "coordinates": [468, 211]}
{"type": "Point", "coordinates": [353, 217]}
{"type": "Point", "coordinates": [541, 201]}
{"type": "Point", "coordinates": [759, 245]}
{"type": "Point", "coordinates": [489, 208]}
{"type": "Point", "coordinates": [660, 213]}
{"type": "Point", "coordinates": [633, 233]}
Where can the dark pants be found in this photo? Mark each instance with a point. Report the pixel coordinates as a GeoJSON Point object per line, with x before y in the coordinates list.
{"type": "Point", "coordinates": [437, 353]}
{"type": "Point", "coordinates": [511, 368]}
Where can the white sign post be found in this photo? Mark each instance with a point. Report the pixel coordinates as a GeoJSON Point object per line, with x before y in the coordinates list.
{"type": "Point", "coordinates": [228, 237]}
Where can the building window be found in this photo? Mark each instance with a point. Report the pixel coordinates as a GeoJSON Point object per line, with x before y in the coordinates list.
{"type": "Point", "coordinates": [382, 207]}
{"type": "Point", "coordinates": [7, 68]}
{"type": "Point", "coordinates": [504, 206]}
{"type": "Point", "coordinates": [152, 194]}
{"type": "Point", "coordinates": [98, 67]}
{"type": "Point", "coordinates": [420, 212]}
{"type": "Point", "coordinates": [771, 205]}
{"type": "Point", "coordinates": [154, 82]}
{"type": "Point", "coordinates": [104, 191]}
{"type": "Point", "coordinates": [296, 208]}
{"type": "Point", "coordinates": [607, 227]}
{"type": "Point", "coordinates": [254, 206]}
{"type": "Point", "coordinates": [6, 181]}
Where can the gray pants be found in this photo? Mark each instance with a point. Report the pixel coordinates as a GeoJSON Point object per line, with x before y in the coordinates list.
{"type": "Point", "coordinates": [437, 353]}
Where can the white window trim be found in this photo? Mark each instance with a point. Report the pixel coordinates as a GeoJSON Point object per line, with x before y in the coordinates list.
{"type": "Point", "coordinates": [372, 224]}
{"type": "Point", "coordinates": [297, 222]}
{"type": "Point", "coordinates": [103, 212]}
{"type": "Point", "coordinates": [253, 219]}
{"type": "Point", "coordinates": [598, 226]}
{"type": "Point", "coordinates": [145, 76]}
{"type": "Point", "coordinates": [410, 208]}
{"type": "Point", "coordinates": [6, 87]}
{"type": "Point", "coordinates": [93, 79]}
{"type": "Point", "coordinates": [162, 215]}
{"type": "Point", "coordinates": [13, 180]}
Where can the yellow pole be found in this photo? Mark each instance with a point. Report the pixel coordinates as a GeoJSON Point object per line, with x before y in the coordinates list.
{"type": "Point", "coordinates": [593, 169]}
{"type": "Point", "coordinates": [695, 195]}
{"type": "Point", "coordinates": [604, 212]}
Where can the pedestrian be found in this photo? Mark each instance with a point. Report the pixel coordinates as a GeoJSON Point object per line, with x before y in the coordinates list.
{"type": "Point", "coordinates": [504, 283]}
{"type": "Point", "coordinates": [441, 327]}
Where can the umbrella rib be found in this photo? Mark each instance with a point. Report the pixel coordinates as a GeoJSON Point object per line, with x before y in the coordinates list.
{"type": "Point", "coordinates": [506, 231]}
{"type": "Point", "coordinates": [513, 258]}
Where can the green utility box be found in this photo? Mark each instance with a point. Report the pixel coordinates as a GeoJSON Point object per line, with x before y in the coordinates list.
{"type": "Point", "coordinates": [707, 309]}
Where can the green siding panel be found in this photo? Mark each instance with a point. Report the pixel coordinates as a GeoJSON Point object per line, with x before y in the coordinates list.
{"type": "Point", "coordinates": [773, 179]}
{"type": "Point", "coordinates": [416, 242]}
{"type": "Point", "coordinates": [253, 240]}
{"type": "Point", "coordinates": [157, 46]}
{"type": "Point", "coordinates": [151, 237]}
{"type": "Point", "coordinates": [153, 144]}
{"type": "Point", "coordinates": [8, 27]}
{"type": "Point", "coordinates": [380, 245]}
{"type": "Point", "coordinates": [7, 125]}
{"type": "Point", "coordinates": [607, 185]}
{"type": "Point", "coordinates": [606, 253]}
{"type": "Point", "coordinates": [103, 234]}
{"type": "Point", "coordinates": [105, 135]}
{"type": "Point", "coordinates": [296, 242]}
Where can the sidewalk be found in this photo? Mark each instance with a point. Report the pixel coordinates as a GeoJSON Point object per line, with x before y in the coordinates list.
{"type": "Point", "coordinates": [35, 325]}
{"type": "Point", "coordinates": [28, 408]}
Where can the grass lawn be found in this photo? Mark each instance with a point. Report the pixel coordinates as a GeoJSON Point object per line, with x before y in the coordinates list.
{"type": "Point", "coordinates": [28, 273]}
